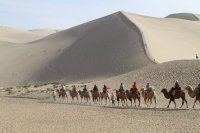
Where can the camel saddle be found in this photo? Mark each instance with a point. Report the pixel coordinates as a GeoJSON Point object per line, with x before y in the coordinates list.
{"type": "Point", "coordinates": [134, 90]}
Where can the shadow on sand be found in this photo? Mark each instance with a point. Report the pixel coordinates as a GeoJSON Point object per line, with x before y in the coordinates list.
{"type": "Point", "coordinates": [50, 101]}
{"type": "Point", "coordinates": [120, 107]}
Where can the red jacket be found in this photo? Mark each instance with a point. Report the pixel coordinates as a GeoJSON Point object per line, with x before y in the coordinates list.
{"type": "Point", "coordinates": [105, 88]}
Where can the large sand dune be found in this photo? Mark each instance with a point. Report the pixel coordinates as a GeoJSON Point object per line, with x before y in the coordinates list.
{"type": "Point", "coordinates": [98, 49]}
{"type": "Point", "coordinates": [103, 48]}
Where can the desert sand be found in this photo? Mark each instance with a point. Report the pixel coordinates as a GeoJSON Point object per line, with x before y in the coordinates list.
{"type": "Point", "coordinates": [119, 48]}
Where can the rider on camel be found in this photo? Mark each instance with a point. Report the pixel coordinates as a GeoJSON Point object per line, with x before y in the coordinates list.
{"type": "Point", "coordinates": [62, 88]}
{"type": "Point", "coordinates": [95, 88]}
{"type": "Point", "coordinates": [74, 88]}
{"type": "Point", "coordinates": [85, 88]}
{"type": "Point", "coordinates": [134, 87]}
{"type": "Point", "coordinates": [177, 86]}
{"type": "Point", "coordinates": [121, 88]}
{"type": "Point", "coordinates": [105, 88]}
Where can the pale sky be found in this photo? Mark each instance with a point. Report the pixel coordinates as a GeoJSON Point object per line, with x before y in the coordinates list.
{"type": "Point", "coordinates": [62, 14]}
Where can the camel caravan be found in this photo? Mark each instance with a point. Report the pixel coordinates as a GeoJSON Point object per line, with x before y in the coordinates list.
{"type": "Point", "coordinates": [122, 96]}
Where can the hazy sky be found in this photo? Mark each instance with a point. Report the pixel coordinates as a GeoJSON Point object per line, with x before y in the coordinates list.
{"type": "Point", "coordinates": [62, 14]}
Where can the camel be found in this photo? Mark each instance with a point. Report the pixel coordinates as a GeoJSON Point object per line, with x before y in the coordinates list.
{"type": "Point", "coordinates": [177, 95]}
{"type": "Point", "coordinates": [121, 96]}
{"type": "Point", "coordinates": [149, 95]}
{"type": "Point", "coordinates": [84, 95]}
{"type": "Point", "coordinates": [133, 95]}
{"type": "Point", "coordinates": [73, 94]}
{"type": "Point", "coordinates": [194, 93]}
{"type": "Point", "coordinates": [106, 96]}
{"type": "Point", "coordinates": [62, 94]}
{"type": "Point", "coordinates": [95, 96]}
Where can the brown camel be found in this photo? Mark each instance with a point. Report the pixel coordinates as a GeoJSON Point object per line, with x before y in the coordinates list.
{"type": "Point", "coordinates": [194, 93]}
{"type": "Point", "coordinates": [62, 94]}
{"type": "Point", "coordinates": [73, 94]}
{"type": "Point", "coordinates": [178, 94]}
{"type": "Point", "coordinates": [149, 95]}
{"type": "Point", "coordinates": [84, 95]}
{"type": "Point", "coordinates": [95, 96]}
{"type": "Point", "coordinates": [135, 94]}
{"type": "Point", "coordinates": [121, 96]}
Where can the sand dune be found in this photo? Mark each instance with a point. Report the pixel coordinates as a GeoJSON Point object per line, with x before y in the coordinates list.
{"type": "Point", "coordinates": [98, 49]}
{"type": "Point", "coordinates": [186, 16]}
{"type": "Point", "coordinates": [113, 45]}
{"type": "Point", "coordinates": [168, 38]}
{"type": "Point", "coordinates": [13, 35]}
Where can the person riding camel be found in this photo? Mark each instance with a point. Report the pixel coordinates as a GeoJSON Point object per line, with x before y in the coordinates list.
{"type": "Point", "coordinates": [134, 87]}
{"type": "Point", "coordinates": [121, 88]}
{"type": "Point", "coordinates": [74, 88]}
{"type": "Point", "coordinates": [85, 88]}
{"type": "Point", "coordinates": [105, 89]}
{"type": "Point", "coordinates": [95, 88]}
{"type": "Point", "coordinates": [148, 87]}
{"type": "Point", "coordinates": [62, 88]}
{"type": "Point", "coordinates": [177, 86]}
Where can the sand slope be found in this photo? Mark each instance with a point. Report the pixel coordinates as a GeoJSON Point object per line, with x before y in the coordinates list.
{"type": "Point", "coordinates": [98, 49]}
{"type": "Point", "coordinates": [103, 48]}
{"type": "Point", "coordinates": [13, 35]}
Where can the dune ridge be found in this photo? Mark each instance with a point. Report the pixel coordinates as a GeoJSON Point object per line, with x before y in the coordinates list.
{"type": "Point", "coordinates": [186, 16]}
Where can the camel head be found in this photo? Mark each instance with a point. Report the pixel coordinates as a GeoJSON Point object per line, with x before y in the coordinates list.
{"type": "Point", "coordinates": [163, 90]}
{"type": "Point", "coordinates": [189, 88]}
{"type": "Point", "coordinates": [142, 90]}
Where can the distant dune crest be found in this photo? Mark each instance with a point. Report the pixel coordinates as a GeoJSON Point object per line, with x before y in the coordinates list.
{"type": "Point", "coordinates": [186, 16]}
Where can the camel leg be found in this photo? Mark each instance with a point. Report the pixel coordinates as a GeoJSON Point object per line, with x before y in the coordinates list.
{"type": "Point", "coordinates": [150, 101]}
{"type": "Point", "coordinates": [134, 103]}
{"type": "Point", "coordinates": [186, 103]}
{"type": "Point", "coordinates": [147, 102]}
{"type": "Point", "coordinates": [169, 103]}
{"type": "Point", "coordinates": [139, 100]}
{"type": "Point", "coordinates": [182, 103]}
{"type": "Point", "coordinates": [155, 101]}
{"type": "Point", "coordinates": [174, 102]}
{"type": "Point", "coordinates": [194, 103]}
